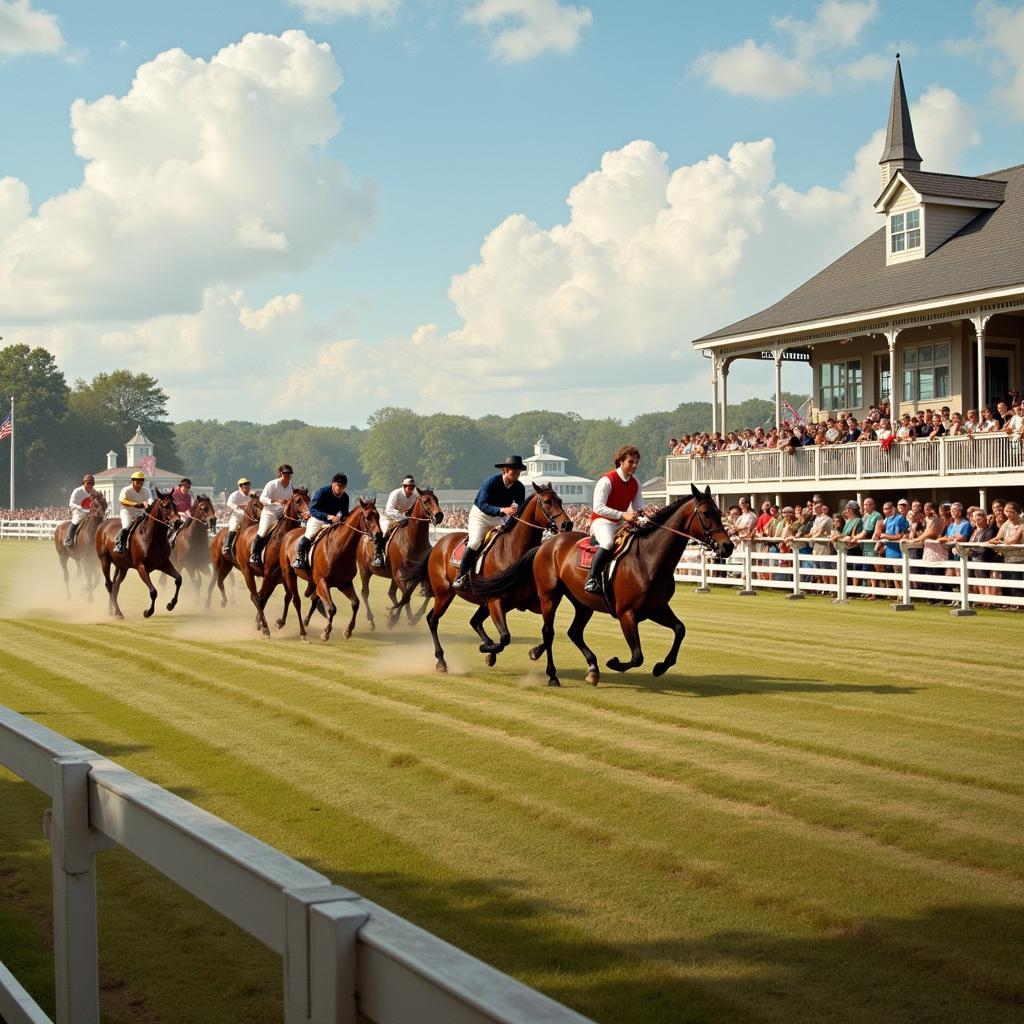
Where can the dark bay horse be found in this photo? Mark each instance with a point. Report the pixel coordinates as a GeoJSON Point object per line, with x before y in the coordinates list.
{"type": "Point", "coordinates": [224, 563]}
{"type": "Point", "coordinates": [409, 542]}
{"type": "Point", "coordinates": [190, 547]}
{"type": "Point", "coordinates": [542, 512]}
{"type": "Point", "coordinates": [641, 589]}
{"type": "Point", "coordinates": [147, 551]}
{"type": "Point", "coordinates": [332, 565]}
{"type": "Point", "coordinates": [295, 512]}
{"type": "Point", "coordinates": [83, 549]}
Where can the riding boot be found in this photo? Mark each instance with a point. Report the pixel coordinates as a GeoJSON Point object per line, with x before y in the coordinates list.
{"type": "Point", "coordinates": [465, 568]}
{"type": "Point", "coordinates": [229, 542]}
{"type": "Point", "coordinates": [595, 582]}
{"type": "Point", "coordinates": [301, 560]}
{"type": "Point", "coordinates": [256, 555]}
{"type": "Point", "coordinates": [69, 540]}
{"type": "Point", "coordinates": [121, 543]}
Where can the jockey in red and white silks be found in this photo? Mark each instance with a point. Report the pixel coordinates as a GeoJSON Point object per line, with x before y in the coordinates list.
{"type": "Point", "coordinates": [617, 499]}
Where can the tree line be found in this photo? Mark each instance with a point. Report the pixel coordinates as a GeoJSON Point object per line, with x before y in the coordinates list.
{"type": "Point", "coordinates": [64, 430]}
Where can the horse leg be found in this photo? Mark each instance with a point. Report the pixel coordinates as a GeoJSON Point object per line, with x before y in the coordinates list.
{"type": "Point", "coordinates": [395, 612]}
{"type": "Point", "coordinates": [291, 593]}
{"type": "Point", "coordinates": [579, 624]}
{"type": "Point", "coordinates": [323, 595]}
{"type": "Point", "coordinates": [350, 592]}
{"type": "Point", "coordinates": [364, 590]}
{"type": "Point", "coordinates": [628, 624]}
{"type": "Point", "coordinates": [664, 616]}
{"type": "Point", "coordinates": [496, 607]}
{"type": "Point", "coordinates": [169, 570]}
{"type": "Point", "coordinates": [115, 587]}
{"type": "Point", "coordinates": [433, 618]}
{"type": "Point", "coordinates": [423, 607]}
{"type": "Point", "coordinates": [548, 607]}
{"type": "Point", "coordinates": [144, 576]}
{"type": "Point", "coordinates": [487, 645]}
{"type": "Point", "coordinates": [62, 555]}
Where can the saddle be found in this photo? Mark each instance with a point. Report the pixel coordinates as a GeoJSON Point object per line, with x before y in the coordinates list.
{"type": "Point", "coordinates": [489, 538]}
{"type": "Point", "coordinates": [317, 540]}
{"type": "Point", "coordinates": [391, 531]}
{"type": "Point", "coordinates": [585, 549]}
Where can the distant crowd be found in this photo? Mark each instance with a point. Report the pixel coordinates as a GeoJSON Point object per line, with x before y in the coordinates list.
{"type": "Point", "coordinates": [1006, 416]}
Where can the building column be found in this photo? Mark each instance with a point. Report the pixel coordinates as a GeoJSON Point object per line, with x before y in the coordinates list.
{"type": "Point", "coordinates": [714, 392]}
{"type": "Point", "coordinates": [724, 371]}
{"type": "Point", "coordinates": [980, 325]}
{"type": "Point", "coordinates": [777, 353]}
{"type": "Point", "coordinates": [895, 378]}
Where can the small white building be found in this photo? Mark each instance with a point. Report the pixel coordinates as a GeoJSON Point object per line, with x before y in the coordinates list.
{"type": "Point", "coordinates": [543, 467]}
{"type": "Point", "coordinates": [140, 455]}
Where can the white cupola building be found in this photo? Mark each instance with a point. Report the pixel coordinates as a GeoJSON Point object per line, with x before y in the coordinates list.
{"type": "Point", "coordinates": [543, 467]}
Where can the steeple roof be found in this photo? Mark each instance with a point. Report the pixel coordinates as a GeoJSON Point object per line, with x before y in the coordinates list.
{"type": "Point", "coordinates": [899, 135]}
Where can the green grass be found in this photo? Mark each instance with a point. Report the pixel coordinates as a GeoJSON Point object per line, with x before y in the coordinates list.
{"type": "Point", "coordinates": [817, 815]}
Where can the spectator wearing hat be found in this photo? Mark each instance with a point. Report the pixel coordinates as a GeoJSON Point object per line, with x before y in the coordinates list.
{"type": "Point", "coordinates": [134, 499]}
{"type": "Point", "coordinates": [80, 503]}
{"type": "Point", "coordinates": [237, 503]}
{"type": "Point", "coordinates": [400, 500]}
{"type": "Point", "coordinates": [500, 496]}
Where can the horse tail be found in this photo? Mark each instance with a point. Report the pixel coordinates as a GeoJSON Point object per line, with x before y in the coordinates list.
{"type": "Point", "coordinates": [414, 571]}
{"type": "Point", "coordinates": [515, 575]}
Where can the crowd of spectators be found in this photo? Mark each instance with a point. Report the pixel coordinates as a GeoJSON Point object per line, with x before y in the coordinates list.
{"type": "Point", "coordinates": [36, 514]}
{"type": "Point", "coordinates": [1006, 416]}
{"type": "Point", "coordinates": [931, 530]}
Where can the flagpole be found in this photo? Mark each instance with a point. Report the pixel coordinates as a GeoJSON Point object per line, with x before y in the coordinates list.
{"type": "Point", "coordinates": [12, 453]}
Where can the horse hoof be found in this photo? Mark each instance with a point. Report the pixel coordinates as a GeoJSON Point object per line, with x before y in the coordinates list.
{"type": "Point", "coordinates": [279, 623]}
{"type": "Point", "coordinates": [325, 637]}
{"type": "Point", "coordinates": [490, 660]}
{"type": "Point", "coordinates": [304, 638]}
{"type": "Point", "coordinates": [371, 626]}
{"type": "Point", "coordinates": [146, 614]}
{"type": "Point", "coordinates": [660, 669]}
{"type": "Point", "coordinates": [170, 607]}
{"type": "Point", "coordinates": [266, 634]}
{"type": "Point", "coordinates": [441, 667]}
{"type": "Point", "coordinates": [553, 682]}
{"type": "Point", "coordinates": [347, 633]}
{"type": "Point", "coordinates": [536, 652]}
{"type": "Point", "coordinates": [593, 676]}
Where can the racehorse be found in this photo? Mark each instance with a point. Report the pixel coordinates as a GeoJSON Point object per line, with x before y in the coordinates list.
{"type": "Point", "coordinates": [542, 512]}
{"type": "Point", "coordinates": [190, 547]}
{"type": "Point", "coordinates": [295, 513]}
{"type": "Point", "coordinates": [224, 563]}
{"type": "Point", "coordinates": [147, 551]}
{"type": "Point", "coordinates": [641, 589]}
{"type": "Point", "coordinates": [407, 542]}
{"type": "Point", "coordinates": [83, 548]}
{"type": "Point", "coordinates": [332, 564]}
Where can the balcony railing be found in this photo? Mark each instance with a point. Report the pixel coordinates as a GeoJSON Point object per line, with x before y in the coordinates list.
{"type": "Point", "coordinates": [944, 457]}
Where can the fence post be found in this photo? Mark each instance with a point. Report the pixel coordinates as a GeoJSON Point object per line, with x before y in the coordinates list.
{"type": "Point", "coordinates": [797, 594]}
{"type": "Point", "coordinates": [75, 943]}
{"type": "Point", "coordinates": [965, 608]}
{"type": "Point", "coordinates": [703, 588]}
{"type": "Point", "coordinates": [840, 597]}
{"type": "Point", "coordinates": [748, 575]}
{"type": "Point", "coordinates": [904, 605]}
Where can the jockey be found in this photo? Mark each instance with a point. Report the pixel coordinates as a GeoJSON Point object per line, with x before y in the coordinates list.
{"type": "Point", "coordinates": [617, 500]}
{"type": "Point", "coordinates": [400, 500]}
{"type": "Point", "coordinates": [500, 496]}
{"type": "Point", "coordinates": [134, 499]}
{"type": "Point", "coordinates": [328, 506]}
{"type": "Point", "coordinates": [237, 503]}
{"type": "Point", "coordinates": [80, 503]}
{"type": "Point", "coordinates": [275, 495]}
{"type": "Point", "coordinates": [183, 502]}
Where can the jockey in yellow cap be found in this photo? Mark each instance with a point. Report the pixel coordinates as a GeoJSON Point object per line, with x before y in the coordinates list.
{"type": "Point", "coordinates": [237, 502]}
{"type": "Point", "coordinates": [134, 499]}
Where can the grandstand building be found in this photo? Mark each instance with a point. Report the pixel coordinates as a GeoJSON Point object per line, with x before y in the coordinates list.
{"type": "Point", "coordinates": [926, 312]}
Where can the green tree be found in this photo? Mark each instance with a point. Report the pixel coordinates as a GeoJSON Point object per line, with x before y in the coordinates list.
{"type": "Point", "coordinates": [453, 452]}
{"type": "Point", "coordinates": [392, 447]}
{"type": "Point", "coordinates": [43, 467]}
{"type": "Point", "coordinates": [599, 443]}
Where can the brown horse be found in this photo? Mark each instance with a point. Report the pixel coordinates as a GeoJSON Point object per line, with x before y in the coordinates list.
{"type": "Point", "coordinates": [147, 551]}
{"type": "Point", "coordinates": [295, 512]}
{"type": "Point", "coordinates": [83, 548]}
{"type": "Point", "coordinates": [190, 549]}
{"type": "Point", "coordinates": [641, 589]}
{"type": "Point", "coordinates": [409, 542]}
{"type": "Point", "coordinates": [332, 564]}
{"type": "Point", "coordinates": [542, 512]}
{"type": "Point", "coordinates": [223, 563]}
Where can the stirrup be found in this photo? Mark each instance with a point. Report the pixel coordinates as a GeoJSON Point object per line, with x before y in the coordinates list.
{"type": "Point", "coordinates": [593, 585]}
{"type": "Point", "coordinates": [461, 582]}
{"type": "Point", "coordinates": [299, 562]}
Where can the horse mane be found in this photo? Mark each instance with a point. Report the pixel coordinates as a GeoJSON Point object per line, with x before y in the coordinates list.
{"type": "Point", "coordinates": [661, 515]}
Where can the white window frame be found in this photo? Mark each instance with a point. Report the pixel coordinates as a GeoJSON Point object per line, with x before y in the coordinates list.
{"type": "Point", "coordinates": [847, 403]}
{"type": "Point", "coordinates": [905, 230]}
{"type": "Point", "coordinates": [915, 371]}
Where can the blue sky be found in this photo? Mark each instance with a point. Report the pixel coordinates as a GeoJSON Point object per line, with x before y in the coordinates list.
{"type": "Point", "coordinates": [406, 237]}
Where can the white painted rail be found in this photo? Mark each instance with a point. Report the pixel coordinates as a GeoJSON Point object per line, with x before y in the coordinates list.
{"type": "Point", "coordinates": [344, 958]}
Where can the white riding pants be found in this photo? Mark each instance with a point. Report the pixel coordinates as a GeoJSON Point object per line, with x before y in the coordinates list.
{"type": "Point", "coordinates": [235, 520]}
{"type": "Point", "coordinates": [603, 531]}
{"type": "Point", "coordinates": [478, 526]}
{"type": "Point", "coordinates": [129, 515]}
{"type": "Point", "coordinates": [271, 515]}
{"type": "Point", "coordinates": [314, 526]}
{"type": "Point", "coordinates": [77, 515]}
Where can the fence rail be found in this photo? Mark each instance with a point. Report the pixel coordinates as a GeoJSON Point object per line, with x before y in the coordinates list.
{"type": "Point", "coordinates": [945, 457]}
{"type": "Point", "coordinates": [344, 958]}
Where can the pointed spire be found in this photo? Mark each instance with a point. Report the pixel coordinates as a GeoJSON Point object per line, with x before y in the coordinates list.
{"type": "Point", "coordinates": [899, 135]}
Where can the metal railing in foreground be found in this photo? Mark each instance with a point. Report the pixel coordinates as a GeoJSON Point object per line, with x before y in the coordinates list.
{"type": "Point", "coordinates": [960, 582]}
{"type": "Point", "coordinates": [344, 958]}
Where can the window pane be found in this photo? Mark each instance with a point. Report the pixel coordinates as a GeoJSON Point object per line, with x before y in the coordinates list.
{"type": "Point", "coordinates": [908, 386]}
{"type": "Point", "coordinates": [942, 382]}
{"type": "Point", "coordinates": [899, 243]}
{"type": "Point", "coordinates": [942, 352]}
{"type": "Point", "coordinates": [926, 384]}
{"type": "Point", "coordinates": [924, 354]}
{"type": "Point", "coordinates": [897, 222]}
{"type": "Point", "coordinates": [910, 357]}
{"type": "Point", "coordinates": [913, 239]}
{"type": "Point", "coordinates": [913, 219]}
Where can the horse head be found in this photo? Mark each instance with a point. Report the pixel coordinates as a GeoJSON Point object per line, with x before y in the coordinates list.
{"type": "Point", "coordinates": [553, 515]}
{"type": "Point", "coordinates": [369, 521]}
{"type": "Point", "coordinates": [253, 508]}
{"type": "Point", "coordinates": [297, 508]}
{"type": "Point", "coordinates": [162, 508]}
{"type": "Point", "coordinates": [204, 511]}
{"type": "Point", "coordinates": [430, 505]}
{"type": "Point", "coordinates": [98, 505]}
{"type": "Point", "coordinates": [706, 523]}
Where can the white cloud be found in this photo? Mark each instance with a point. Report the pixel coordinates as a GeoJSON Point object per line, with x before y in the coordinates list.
{"type": "Point", "coordinates": [203, 173]}
{"type": "Point", "coordinates": [520, 30]}
{"type": "Point", "coordinates": [808, 62]}
{"type": "Point", "coordinates": [1001, 30]}
{"type": "Point", "coordinates": [25, 30]}
{"type": "Point", "coordinates": [275, 310]}
{"type": "Point", "coordinates": [330, 10]}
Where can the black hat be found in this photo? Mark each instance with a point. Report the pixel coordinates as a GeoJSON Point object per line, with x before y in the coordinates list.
{"type": "Point", "coordinates": [511, 462]}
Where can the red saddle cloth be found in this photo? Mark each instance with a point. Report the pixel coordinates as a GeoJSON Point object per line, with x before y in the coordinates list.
{"type": "Point", "coordinates": [458, 551]}
{"type": "Point", "coordinates": [586, 549]}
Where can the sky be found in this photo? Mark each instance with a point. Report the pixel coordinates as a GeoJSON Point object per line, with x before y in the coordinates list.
{"type": "Point", "coordinates": [310, 209]}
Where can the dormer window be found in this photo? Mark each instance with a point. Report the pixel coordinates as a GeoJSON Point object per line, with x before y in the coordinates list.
{"type": "Point", "coordinates": [905, 231]}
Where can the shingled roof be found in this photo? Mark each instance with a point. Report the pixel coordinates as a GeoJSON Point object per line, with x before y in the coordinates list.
{"type": "Point", "coordinates": [955, 186]}
{"type": "Point", "coordinates": [986, 254]}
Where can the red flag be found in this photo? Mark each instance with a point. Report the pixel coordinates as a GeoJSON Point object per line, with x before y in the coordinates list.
{"type": "Point", "coordinates": [148, 463]}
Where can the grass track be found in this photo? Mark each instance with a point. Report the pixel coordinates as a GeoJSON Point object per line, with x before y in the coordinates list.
{"type": "Point", "coordinates": [818, 814]}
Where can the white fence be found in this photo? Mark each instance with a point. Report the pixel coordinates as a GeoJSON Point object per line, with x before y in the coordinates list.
{"type": "Point", "coordinates": [28, 529]}
{"type": "Point", "coordinates": [344, 958]}
{"type": "Point", "coordinates": [843, 575]}
{"type": "Point", "coordinates": [945, 457]}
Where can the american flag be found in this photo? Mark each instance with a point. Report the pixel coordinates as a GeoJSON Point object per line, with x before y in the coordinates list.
{"type": "Point", "coordinates": [7, 427]}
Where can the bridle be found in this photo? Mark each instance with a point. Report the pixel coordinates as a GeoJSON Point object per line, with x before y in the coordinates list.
{"type": "Point", "coordinates": [362, 519]}
{"type": "Point", "coordinates": [551, 525]}
{"type": "Point", "coordinates": [705, 540]}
